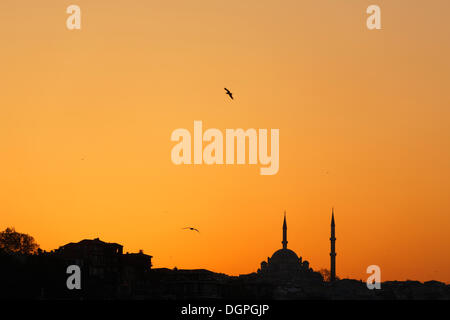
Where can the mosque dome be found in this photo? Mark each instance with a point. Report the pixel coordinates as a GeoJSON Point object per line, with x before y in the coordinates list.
{"type": "Point", "coordinates": [284, 256]}
{"type": "Point", "coordinates": [284, 261]}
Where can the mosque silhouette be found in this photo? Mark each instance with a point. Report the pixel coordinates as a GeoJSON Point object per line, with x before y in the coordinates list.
{"type": "Point", "coordinates": [286, 265]}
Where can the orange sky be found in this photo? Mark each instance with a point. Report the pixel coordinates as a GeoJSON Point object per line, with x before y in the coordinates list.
{"type": "Point", "coordinates": [369, 107]}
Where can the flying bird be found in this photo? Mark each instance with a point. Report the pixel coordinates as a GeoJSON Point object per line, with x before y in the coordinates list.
{"type": "Point", "coordinates": [228, 92]}
{"type": "Point", "coordinates": [192, 229]}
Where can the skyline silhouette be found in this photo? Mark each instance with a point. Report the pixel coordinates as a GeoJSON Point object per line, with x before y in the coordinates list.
{"type": "Point", "coordinates": [362, 114]}
{"type": "Point", "coordinates": [283, 265]}
{"type": "Point", "coordinates": [106, 272]}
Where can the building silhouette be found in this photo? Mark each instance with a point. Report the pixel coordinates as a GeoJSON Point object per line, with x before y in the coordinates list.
{"type": "Point", "coordinates": [106, 270]}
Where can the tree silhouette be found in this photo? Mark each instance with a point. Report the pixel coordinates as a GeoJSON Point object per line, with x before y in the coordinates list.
{"type": "Point", "coordinates": [15, 242]}
{"type": "Point", "coordinates": [326, 275]}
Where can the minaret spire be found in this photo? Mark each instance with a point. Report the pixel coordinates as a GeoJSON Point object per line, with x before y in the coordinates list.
{"type": "Point", "coordinates": [284, 242]}
{"type": "Point", "coordinates": [333, 249]}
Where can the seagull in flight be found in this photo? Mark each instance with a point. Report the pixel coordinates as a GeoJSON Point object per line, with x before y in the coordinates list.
{"type": "Point", "coordinates": [192, 229]}
{"type": "Point", "coordinates": [228, 92]}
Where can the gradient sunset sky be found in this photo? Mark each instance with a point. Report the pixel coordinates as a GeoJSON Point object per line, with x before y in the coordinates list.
{"type": "Point", "coordinates": [364, 119]}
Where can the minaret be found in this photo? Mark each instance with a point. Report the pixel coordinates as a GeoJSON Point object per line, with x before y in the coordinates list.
{"type": "Point", "coordinates": [284, 242]}
{"type": "Point", "coordinates": [333, 250]}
